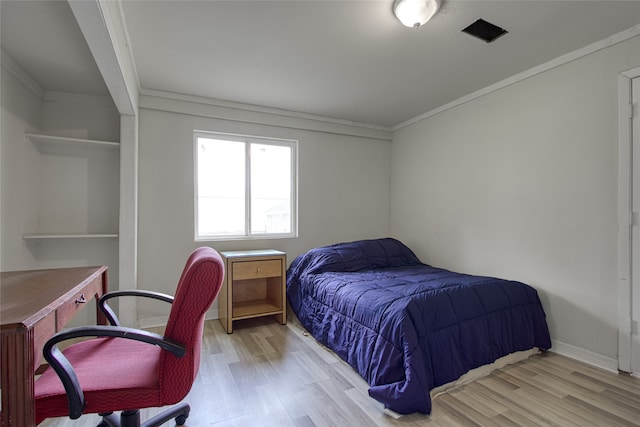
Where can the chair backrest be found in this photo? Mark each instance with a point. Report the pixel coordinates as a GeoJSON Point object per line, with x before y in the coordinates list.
{"type": "Point", "coordinates": [198, 287]}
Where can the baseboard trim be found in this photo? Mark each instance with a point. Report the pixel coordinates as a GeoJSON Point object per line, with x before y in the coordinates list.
{"type": "Point", "coordinates": [154, 322]}
{"type": "Point", "coordinates": [580, 354]}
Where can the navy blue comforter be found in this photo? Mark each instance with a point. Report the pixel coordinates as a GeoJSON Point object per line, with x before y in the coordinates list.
{"type": "Point", "coordinates": [405, 326]}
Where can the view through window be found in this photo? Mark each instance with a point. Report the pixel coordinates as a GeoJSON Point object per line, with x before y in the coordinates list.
{"type": "Point", "coordinates": [245, 187]}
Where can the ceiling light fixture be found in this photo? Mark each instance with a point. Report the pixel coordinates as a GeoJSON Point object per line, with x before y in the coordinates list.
{"type": "Point", "coordinates": [415, 13]}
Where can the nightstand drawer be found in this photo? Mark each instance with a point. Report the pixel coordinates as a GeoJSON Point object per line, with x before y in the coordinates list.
{"type": "Point", "coordinates": [256, 269]}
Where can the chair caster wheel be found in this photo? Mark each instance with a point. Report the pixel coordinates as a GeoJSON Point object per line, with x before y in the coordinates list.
{"type": "Point", "coordinates": [181, 419]}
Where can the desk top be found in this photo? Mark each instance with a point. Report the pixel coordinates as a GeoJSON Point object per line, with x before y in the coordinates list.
{"type": "Point", "coordinates": [28, 296]}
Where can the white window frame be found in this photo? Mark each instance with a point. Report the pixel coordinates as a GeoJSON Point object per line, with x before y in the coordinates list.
{"type": "Point", "coordinates": [248, 139]}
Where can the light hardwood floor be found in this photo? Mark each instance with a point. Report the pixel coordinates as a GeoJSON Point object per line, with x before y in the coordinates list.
{"type": "Point", "coordinates": [267, 374]}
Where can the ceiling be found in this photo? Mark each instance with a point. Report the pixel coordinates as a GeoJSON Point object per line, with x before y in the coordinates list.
{"type": "Point", "coordinates": [348, 60]}
{"type": "Point", "coordinates": [43, 38]}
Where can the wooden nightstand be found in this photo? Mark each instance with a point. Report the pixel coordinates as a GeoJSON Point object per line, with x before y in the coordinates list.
{"type": "Point", "coordinates": [254, 286]}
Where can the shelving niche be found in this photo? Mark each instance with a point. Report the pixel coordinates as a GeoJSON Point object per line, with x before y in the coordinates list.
{"type": "Point", "coordinates": [79, 190]}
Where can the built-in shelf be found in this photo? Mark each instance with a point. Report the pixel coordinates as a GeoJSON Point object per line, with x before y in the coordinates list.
{"type": "Point", "coordinates": [62, 141]}
{"type": "Point", "coordinates": [69, 236]}
{"type": "Point", "coordinates": [79, 188]}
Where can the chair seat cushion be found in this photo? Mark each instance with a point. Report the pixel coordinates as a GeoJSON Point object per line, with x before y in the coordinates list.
{"type": "Point", "coordinates": [129, 379]}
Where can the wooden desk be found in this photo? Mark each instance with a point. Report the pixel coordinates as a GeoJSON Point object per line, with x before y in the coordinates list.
{"type": "Point", "coordinates": [34, 305]}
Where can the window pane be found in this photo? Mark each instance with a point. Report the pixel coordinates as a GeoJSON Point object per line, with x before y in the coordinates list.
{"type": "Point", "coordinates": [221, 187]}
{"type": "Point", "coordinates": [270, 189]}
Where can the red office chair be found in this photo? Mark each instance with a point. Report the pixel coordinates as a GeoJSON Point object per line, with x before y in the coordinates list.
{"type": "Point", "coordinates": [125, 369]}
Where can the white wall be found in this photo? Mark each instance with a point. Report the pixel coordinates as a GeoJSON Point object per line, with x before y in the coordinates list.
{"type": "Point", "coordinates": [81, 116]}
{"type": "Point", "coordinates": [57, 191]}
{"type": "Point", "coordinates": [522, 183]}
{"type": "Point", "coordinates": [20, 169]}
{"type": "Point", "coordinates": [88, 180]}
{"type": "Point", "coordinates": [343, 185]}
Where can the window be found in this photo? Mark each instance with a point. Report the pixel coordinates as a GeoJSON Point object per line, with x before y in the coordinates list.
{"type": "Point", "coordinates": [245, 187]}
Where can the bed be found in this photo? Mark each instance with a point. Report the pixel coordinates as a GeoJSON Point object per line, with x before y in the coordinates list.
{"type": "Point", "coordinates": [407, 327]}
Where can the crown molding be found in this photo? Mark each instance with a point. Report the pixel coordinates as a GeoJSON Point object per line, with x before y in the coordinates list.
{"type": "Point", "coordinates": [554, 63]}
{"type": "Point", "coordinates": [77, 98]}
{"type": "Point", "coordinates": [231, 111]}
{"type": "Point", "coordinates": [19, 73]}
{"type": "Point", "coordinates": [258, 109]}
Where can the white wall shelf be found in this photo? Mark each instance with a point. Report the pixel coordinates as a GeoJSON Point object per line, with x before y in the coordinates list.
{"type": "Point", "coordinates": [69, 236]}
{"type": "Point", "coordinates": [41, 141]}
{"type": "Point", "coordinates": [79, 188]}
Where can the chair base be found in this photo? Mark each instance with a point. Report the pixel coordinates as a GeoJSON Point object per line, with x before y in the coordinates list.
{"type": "Point", "coordinates": [132, 418]}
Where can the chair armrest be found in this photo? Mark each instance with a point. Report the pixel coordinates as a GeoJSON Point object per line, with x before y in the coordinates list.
{"type": "Point", "coordinates": [111, 315]}
{"type": "Point", "coordinates": [67, 374]}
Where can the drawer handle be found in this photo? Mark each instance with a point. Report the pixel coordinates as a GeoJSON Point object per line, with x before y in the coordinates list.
{"type": "Point", "coordinates": [81, 299]}
{"type": "Point", "coordinates": [258, 270]}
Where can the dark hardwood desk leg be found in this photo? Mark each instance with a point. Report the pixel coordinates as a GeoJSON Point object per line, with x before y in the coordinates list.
{"type": "Point", "coordinates": [18, 403]}
{"type": "Point", "coordinates": [101, 319]}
